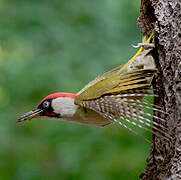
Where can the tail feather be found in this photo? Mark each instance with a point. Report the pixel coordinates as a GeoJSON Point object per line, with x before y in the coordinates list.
{"type": "Point", "coordinates": [131, 110]}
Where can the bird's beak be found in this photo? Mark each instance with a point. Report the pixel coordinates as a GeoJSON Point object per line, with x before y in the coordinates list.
{"type": "Point", "coordinates": [30, 115]}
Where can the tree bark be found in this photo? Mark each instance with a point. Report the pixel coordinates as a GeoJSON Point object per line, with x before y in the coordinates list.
{"type": "Point", "coordinates": [164, 18]}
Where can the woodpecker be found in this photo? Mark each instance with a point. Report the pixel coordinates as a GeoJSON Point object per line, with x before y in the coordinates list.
{"type": "Point", "coordinates": [117, 96]}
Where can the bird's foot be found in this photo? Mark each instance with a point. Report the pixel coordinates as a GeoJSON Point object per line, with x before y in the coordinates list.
{"type": "Point", "coordinates": [144, 45]}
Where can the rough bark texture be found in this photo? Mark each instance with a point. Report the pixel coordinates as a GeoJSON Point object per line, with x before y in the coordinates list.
{"type": "Point", "coordinates": [164, 17]}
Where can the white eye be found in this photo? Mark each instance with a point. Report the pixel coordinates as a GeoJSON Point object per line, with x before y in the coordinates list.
{"type": "Point", "coordinates": [46, 104]}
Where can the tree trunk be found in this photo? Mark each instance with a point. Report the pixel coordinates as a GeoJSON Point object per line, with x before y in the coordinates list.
{"type": "Point", "coordinates": [164, 18]}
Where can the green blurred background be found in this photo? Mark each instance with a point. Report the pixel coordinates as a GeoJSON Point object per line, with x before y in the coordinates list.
{"type": "Point", "coordinates": [59, 46]}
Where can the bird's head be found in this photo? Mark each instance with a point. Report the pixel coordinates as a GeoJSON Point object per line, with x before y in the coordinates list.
{"type": "Point", "coordinates": [57, 105]}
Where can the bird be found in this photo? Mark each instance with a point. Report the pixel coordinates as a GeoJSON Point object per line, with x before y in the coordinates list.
{"type": "Point", "coordinates": [117, 96]}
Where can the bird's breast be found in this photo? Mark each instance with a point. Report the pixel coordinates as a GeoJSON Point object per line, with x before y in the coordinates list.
{"type": "Point", "coordinates": [88, 117]}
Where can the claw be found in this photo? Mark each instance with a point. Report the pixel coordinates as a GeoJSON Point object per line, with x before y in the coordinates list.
{"type": "Point", "coordinates": [144, 45]}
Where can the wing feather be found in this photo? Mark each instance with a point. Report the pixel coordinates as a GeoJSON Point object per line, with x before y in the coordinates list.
{"type": "Point", "coordinates": [117, 84]}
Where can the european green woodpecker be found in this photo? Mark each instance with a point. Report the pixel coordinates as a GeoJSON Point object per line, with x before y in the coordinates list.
{"type": "Point", "coordinates": [116, 96]}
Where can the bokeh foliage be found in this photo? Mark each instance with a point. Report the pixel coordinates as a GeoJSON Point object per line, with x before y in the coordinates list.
{"type": "Point", "coordinates": [60, 45]}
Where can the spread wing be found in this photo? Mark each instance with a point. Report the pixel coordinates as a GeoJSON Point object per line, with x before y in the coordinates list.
{"type": "Point", "coordinates": [141, 60]}
{"type": "Point", "coordinates": [136, 73]}
{"type": "Point", "coordinates": [117, 83]}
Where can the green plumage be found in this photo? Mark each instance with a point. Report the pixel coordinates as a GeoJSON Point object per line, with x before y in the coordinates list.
{"type": "Point", "coordinates": [116, 84]}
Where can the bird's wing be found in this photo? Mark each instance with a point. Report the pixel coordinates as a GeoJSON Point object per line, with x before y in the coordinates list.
{"type": "Point", "coordinates": [118, 70]}
{"type": "Point", "coordinates": [118, 84]}
{"type": "Point", "coordinates": [134, 74]}
{"type": "Point", "coordinates": [139, 60]}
